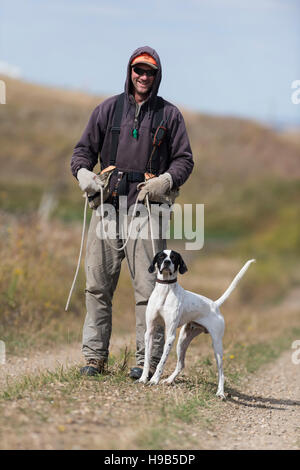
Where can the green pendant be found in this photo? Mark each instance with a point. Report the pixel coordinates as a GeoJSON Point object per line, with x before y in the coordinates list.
{"type": "Point", "coordinates": [135, 133]}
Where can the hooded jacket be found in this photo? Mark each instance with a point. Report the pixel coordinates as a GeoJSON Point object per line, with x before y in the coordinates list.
{"type": "Point", "coordinates": [175, 155]}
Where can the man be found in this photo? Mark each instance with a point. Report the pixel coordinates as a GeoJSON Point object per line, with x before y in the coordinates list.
{"type": "Point", "coordinates": [170, 167]}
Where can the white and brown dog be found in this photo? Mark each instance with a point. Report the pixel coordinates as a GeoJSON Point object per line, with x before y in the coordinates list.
{"type": "Point", "coordinates": [177, 307]}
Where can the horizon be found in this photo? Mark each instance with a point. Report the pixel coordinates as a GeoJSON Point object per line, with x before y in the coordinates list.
{"type": "Point", "coordinates": [249, 54]}
{"type": "Point", "coordinates": [276, 126]}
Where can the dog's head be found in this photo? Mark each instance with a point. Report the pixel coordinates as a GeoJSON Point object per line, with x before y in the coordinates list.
{"type": "Point", "coordinates": [168, 261]}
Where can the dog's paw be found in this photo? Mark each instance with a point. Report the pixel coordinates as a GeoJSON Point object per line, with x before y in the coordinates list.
{"type": "Point", "coordinates": [142, 380]}
{"type": "Point", "coordinates": [221, 395]}
{"type": "Point", "coordinates": [167, 381]}
{"type": "Point", "coordinates": [153, 381]}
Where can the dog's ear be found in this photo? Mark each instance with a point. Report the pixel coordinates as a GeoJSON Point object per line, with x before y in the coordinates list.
{"type": "Point", "coordinates": [182, 266]}
{"type": "Point", "coordinates": [152, 265]}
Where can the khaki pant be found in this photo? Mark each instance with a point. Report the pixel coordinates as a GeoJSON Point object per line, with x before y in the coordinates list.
{"type": "Point", "coordinates": [103, 265]}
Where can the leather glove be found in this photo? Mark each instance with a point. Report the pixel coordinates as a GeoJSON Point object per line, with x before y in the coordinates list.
{"type": "Point", "coordinates": [156, 188]}
{"type": "Point", "coordinates": [88, 181]}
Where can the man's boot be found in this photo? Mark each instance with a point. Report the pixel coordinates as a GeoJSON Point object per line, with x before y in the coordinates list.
{"type": "Point", "coordinates": [93, 367]}
{"type": "Point", "coordinates": [136, 372]}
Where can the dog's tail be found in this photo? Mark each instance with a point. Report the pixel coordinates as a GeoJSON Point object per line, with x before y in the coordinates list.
{"type": "Point", "coordinates": [234, 283]}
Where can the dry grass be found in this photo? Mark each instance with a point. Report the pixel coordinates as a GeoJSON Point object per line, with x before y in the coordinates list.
{"type": "Point", "coordinates": [36, 256]}
{"type": "Point", "coordinates": [60, 409]}
{"type": "Point", "coordinates": [38, 261]}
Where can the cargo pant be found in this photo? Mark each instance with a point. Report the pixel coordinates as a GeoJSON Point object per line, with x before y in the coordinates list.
{"type": "Point", "coordinates": [102, 266]}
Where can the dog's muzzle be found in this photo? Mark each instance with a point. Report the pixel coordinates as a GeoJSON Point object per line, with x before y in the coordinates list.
{"type": "Point", "coordinates": [166, 266]}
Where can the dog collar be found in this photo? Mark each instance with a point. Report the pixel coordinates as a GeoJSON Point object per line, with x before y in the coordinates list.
{"type": "Point", "coordinates": [171, 281]}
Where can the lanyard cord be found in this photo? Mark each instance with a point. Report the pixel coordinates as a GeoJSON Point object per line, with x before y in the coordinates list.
{"type": "Point", "coordinates": [130, 226]}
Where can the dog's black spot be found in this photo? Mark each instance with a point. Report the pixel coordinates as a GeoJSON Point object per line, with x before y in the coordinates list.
{"type": "Point", "coordinates": [177, 260]}
{"type": "Point", "coordinates": [158, 259]}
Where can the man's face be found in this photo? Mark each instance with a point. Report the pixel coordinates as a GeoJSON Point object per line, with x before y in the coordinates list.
{"type": "Point", "coordinates": [142, 84]}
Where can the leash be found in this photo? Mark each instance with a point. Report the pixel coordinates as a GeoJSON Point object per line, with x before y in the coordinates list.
{"type": "Point", "coordinates": [150, 223]}
{"type": "Point", "coordinates": [80, 252]}
{"type": "Point", "coordinates": [130, 226]}
{"type": "Point", "coordinates": [107, 241]}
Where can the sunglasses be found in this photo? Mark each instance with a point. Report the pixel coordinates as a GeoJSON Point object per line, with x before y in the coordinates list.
{"type": "Point", "coordinates": [140, 71]}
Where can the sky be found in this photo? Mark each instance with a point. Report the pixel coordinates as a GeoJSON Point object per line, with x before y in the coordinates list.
{"type": "Point", "coordinates": [224, 57]}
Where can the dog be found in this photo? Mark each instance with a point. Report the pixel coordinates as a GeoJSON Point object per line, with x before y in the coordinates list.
{"type": "Point", "coordinates": [177, 307]}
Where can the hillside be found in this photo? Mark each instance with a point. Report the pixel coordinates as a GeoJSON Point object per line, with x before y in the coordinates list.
{"type": "Point", "coordinates": [246, 175]}
{"type": "Point", "coordinates": [45, 123]}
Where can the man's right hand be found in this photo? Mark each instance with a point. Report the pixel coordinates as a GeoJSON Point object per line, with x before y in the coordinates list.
{"type": "Point", "coordinates": [88, 181]}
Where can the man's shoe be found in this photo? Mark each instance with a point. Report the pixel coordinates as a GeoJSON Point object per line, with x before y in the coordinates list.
{"type": "Point", "coordinates": [93, 367]}
{"type": "Point", "coordinates": [136, 373]}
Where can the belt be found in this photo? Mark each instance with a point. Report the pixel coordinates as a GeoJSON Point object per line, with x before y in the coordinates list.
{"type": "Point", "coordinates": [125, 177]}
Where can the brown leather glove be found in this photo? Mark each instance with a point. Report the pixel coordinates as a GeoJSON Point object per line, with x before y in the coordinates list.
{"type": "Point", "coordinates": [156, 188]}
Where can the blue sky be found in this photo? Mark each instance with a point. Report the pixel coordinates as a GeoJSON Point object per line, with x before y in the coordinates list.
{"type": "Point", "coordinates": [229, 57]}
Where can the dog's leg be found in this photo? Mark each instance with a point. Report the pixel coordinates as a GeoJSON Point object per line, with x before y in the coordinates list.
{"type": "Point", "coordinates": [187, 333]}
{"type": "Point", "coordinates": [170, 338]}
{"type": "Point", "coordinates": [148, 347]}
{"type": "Point", "coordinates": [218, 350]}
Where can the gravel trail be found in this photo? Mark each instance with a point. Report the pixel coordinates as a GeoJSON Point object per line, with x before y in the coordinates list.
{"type": "Point", "coordinates": [263, 413]}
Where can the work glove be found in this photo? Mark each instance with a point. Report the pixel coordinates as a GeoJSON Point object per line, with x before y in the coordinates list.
{"type": "Point", "coordinates": [88, 181]}
{"type": "Point", "coordinates": [156, 188]}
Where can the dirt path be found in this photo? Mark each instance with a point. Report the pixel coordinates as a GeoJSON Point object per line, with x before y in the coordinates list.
{"type": "Point", "coordinates": [40, 361]}
{"type": "Point", "coordinates": [264, 413]}
{"type": "Point", "coordinates": [15, 367]}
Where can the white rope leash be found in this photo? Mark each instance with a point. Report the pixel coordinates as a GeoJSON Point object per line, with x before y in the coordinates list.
{"type": "Point", "coordinates": [80, 253]}
{"type": "Point", "coordinates": [150, 223]}
{"type": "Point", "coordinates": [130, 225]}
{"type": "Point", "coordinates": [117, 249]}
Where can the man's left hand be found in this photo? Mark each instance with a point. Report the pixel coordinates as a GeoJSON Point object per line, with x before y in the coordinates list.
{"type": "Point", "coordinates": [155, 188]}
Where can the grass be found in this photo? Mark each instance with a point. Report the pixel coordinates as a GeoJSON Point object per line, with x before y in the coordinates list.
{"type": "Point", "coordinates": [187, 411]}
{"type": "Point", "coordinates": [254, 356]}
{"type": "Point", "coordinates": [26, 198]}
{"type": "Point", "coordinates": [190, 410]}
{"type": "Point", "coordinates": [37, 382]}
{"type": "Point", "coordinates": [37, 255]}
{"type": "Point", "coordinates": [169, 413]}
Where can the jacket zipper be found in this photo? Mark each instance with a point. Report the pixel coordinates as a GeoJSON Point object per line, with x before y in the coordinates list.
{"type": "Point", "coordinates": [135, 131]}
